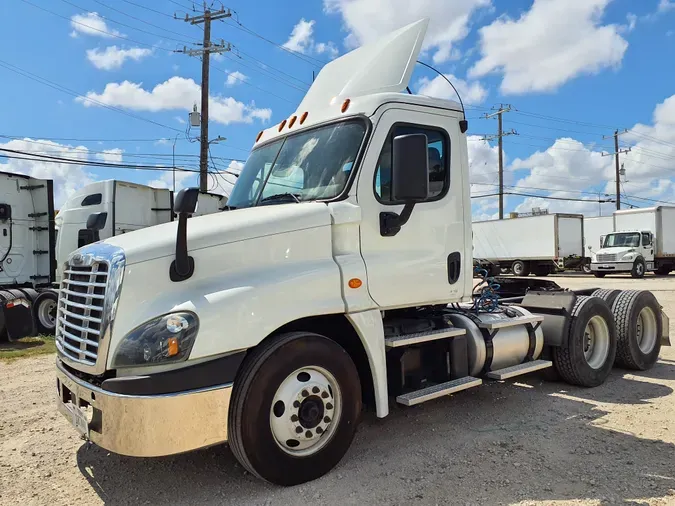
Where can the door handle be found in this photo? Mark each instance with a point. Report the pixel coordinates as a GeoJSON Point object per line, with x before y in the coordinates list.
{"type": "Point", "coordinates": [454, 267]}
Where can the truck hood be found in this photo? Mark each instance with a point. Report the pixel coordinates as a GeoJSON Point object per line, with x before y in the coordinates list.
{"type": "Point", "coordinates": [619, 251]}
{"type": "Point", "coordinates": [222, 228]}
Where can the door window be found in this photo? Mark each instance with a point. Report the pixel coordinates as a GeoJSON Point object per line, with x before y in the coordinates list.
{"type": "Point", "coordinates": [439, 162]}
{"type": "Point", "coordinates": [646, 239]}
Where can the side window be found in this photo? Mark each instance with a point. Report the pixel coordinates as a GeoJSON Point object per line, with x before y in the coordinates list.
{"type": "Point", "coordinates": [646, 239]}
{"type": "Point", "coordinates": [86, 236]}
{"type": "Point", "coordinates": [92, 200]}
{"type": "Point", "coordinates": [439, 162]}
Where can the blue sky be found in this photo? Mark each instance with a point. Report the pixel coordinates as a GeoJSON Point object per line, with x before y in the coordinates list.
{"type": "Point", "coordinates": [573, 71]}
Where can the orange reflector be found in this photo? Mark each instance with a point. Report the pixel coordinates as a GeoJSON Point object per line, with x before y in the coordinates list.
{"type": "Point", "coordinates": [345, 105]}
{"type": "Point", "coordinates": [292, 122]}
{"type": "Point", "coordinates": [355, 283]}
{"type": "Point", "coordinates": [172, 346]}
{"type": "Point", "coordinates": [259, 135]}
{"type": "Point", "coordinates": [282, 125]}
{"type": "Point", "coordinates": [303, 117]}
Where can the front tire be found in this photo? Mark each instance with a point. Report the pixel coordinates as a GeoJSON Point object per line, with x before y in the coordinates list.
{"type": "Point", "coordinates": [639, 328]}
{"type": "Point", "coordinates": [638, 271]}
{"type": "Point", "coordinates": [295, 408]}
{"type": "Point", "coordinates": [588, 356]}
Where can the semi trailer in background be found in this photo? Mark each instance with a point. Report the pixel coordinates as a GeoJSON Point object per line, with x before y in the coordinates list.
{"type": "Point", "coordinates": [540, 245]}
{"type": "Point", "coordinates": [643, 241]}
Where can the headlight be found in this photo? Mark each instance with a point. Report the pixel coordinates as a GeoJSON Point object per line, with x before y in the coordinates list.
{"type": "Point", "coordinates": [167, 338]}
{"type": "Point", "coordinates": [628, 256]}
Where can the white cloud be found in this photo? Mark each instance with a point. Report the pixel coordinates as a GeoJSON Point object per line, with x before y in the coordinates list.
{"type": "Point", "coordinates": [112, 57]}
{"type": "Point", "coordinates": [175, 93]}
{"type": "Point", "coordinates": [302, 41]}
{"type": "Point", "coordinates": [91, 24]}
{"type": "Point", "coordinates": [665, 6]}
{"type": "Point", "coordinates": [301, 36]}
{"type": "Point", "coordinates": [552, 43]}
{"type": "Point", "coordinates": [67, 177]}
{"type": "Point", "coordinates": [179, 119]}
{"type": "Point", "coordinates": [183, 178]}
{"type": "Point", "coordinates": [111, 155]}
{"type": "Point", "coordinates": [367, 20]}
{"type": "Point", "coordinates": [472, 93]}
{"type": "Point", "coordinates": [235, 77]}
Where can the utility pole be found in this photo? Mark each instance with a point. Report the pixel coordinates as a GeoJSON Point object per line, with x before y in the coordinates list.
{"type": "Point", "coordinates": [617, 163]}
{"type": "Point", "coordinates": [500, 135]}
{"type": "Point", "coordinates": [205, 52]}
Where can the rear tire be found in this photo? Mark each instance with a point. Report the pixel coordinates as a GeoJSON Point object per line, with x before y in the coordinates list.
{"type": "Point", "coordinates": [662, 271]}
{"type": "Point", "coordinates": [599, 274]}
{"type": "Point", "coordinates": [44, 312]}
{"type": "Point", "coordinates": [638, 271]}
{"type": "Point", "coordinates": [588, 356]}
{"type": "Point", "coordinates": [542, 271]}
{"type": "Point", "coordinates": [270, 404]}
{"type": "Point", "coordinates": [639, 328]}
{"type": "Point", "coordinates": [520, 268]}
{"type": "Point", "coordinates": [608, 295]}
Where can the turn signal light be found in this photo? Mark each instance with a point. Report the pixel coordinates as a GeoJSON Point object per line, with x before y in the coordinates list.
{"type": "Point", "coordinates": [303, 117]}
{"type": "Point", "coordinates": [172, 346]}
{"type": "Point", "coordinates": [345, 105]}
{"type": "Point", "coordinates": [292, 122]}
{"type": "Point", "coordinates": [355, 283]}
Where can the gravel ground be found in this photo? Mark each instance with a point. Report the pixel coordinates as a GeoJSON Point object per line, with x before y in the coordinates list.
{"type": "Point", "coordinates": [525, 442]}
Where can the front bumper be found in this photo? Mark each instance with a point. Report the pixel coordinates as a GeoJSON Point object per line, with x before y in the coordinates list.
{"type": "Point", "coordinates": [612, 267]}
{"type": "Point", "coordinates": [144, 425]}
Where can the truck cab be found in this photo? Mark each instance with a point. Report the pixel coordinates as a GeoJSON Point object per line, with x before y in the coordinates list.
{"type": "Point", "coordinates": [341, 273]}
{"type": "Point", "coordinates": [626, 251]}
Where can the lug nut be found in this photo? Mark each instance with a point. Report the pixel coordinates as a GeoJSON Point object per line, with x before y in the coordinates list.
{"type": "Point", "coordinates": [296, 404]}
{"type": "Point", "coordinates": [315, 390]}
{"type": "Point", "coordinates": [308, 434]}
{"type": "Point", "coordinates": [329, 406]}
{"type": "Point", "coordinates": [298, 430]}
{"type": "Point", "coordinates": [294, 418]}
{"type": "Point", "coordinates": [319, 430]}
{"type": "Point", "coordinates": [305, 393]}
{"type": "Point", "coordinates": [326, 419]}
{"type": "Point", "coordinates": [324, 395]}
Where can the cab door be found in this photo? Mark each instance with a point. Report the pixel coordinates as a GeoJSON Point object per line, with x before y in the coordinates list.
{"type": "Point", "coordinates": [425, 261]}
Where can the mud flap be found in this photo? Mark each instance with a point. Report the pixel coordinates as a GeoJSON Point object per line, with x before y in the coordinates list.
{"type": "Point", "coordinates": [665, 337]}
{"type": "Point", "coordinates": [16, 318]}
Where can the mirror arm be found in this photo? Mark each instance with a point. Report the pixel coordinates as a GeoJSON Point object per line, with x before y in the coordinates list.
{"type": "Point", "coordinates": [391, 223]}
{"type": "Point", "coordinates": [183, 265]}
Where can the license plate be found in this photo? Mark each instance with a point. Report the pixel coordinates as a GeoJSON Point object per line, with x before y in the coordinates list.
{"type": "Point", "coordinates": [79, 420]}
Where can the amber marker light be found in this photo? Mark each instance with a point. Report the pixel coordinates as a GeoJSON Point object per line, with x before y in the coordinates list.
{"type": "Point", "coordinates": [355, 283]}
{"type": "Point", "coordinates": [303, 117]}
{"type": "Point", "coordinates": [345, 105]}
{"type": "Point", "coordinates": [292, 122]}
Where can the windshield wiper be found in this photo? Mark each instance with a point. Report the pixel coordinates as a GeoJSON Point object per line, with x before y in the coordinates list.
{"type": "Point", "coordinates": [281, 196]}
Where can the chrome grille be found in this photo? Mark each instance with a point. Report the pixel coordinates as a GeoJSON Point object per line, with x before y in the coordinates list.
{"type": "Point", "coordinates": [606, 257]}
{"type": "Point", "coordinates": [81, 309]}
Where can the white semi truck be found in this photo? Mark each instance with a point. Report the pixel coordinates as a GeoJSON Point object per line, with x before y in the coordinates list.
{"type": "Point", "coordinates": [643, 241]}
{"type": "Point", "coordinates": [540, 245]}
{"type": "Point", "coordinates": [341, 274]}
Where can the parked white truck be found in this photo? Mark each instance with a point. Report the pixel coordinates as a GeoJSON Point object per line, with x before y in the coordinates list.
{"type": "Point", "coordinates": [644, 241]}
{"type": "Point", "coordinates": [341, 273]}
{"type": "Point", "coordinates": [541, 244]}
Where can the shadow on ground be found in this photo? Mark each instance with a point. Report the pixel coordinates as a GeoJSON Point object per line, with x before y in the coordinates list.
{"type": "Point", "coordinates": [501, 443]}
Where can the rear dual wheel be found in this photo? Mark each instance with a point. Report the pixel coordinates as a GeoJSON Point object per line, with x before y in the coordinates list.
{"type": "Point", "coordinates": [295, 408]}
{"type": "Point", "coordinates": [639, 328]}
{"type": "Point", "coordinates": [588, 355]}
{"type": "Point", "coordinates": [520, 268]}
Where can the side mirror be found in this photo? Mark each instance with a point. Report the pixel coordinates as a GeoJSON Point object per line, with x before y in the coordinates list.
{"type": "Point", "coordinates": [183, 265]}
{"type": "Point", "coordinates": [96, 221]}
{"type": "Point", "coordinates": [409, 180]}
{"type": "Point", "coordinates": [410, 168]}
{"type": "Point", "coordinates": [186, 201]}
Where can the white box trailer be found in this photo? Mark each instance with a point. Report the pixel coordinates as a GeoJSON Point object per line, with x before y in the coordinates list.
{"type": "Point", "coordinates": [643, 241]}
{"type": "Point", "coordinates": [539, 244]}
{"type": "Point", "coordinates": [595, 230]}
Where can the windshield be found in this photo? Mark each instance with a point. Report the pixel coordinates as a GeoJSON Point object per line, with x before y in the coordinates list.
{"type": "Point", "coordinates": [311, 165]}
{"type": "Point", "coordinates": [631, 240]}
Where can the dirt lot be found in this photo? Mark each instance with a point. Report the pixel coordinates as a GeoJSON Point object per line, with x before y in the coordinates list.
{"type": "Point", "coordinates": [527, 442]}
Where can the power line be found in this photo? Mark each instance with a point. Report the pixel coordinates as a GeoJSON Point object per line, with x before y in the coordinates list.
{"type": "Point", "coordinates": [63, 89]}
{"type": "Point", "coordinates": [148, 8]}
{"type": "Point", "coordinates": [546, 197]}
{"type": "Point", "coordinates": [246, 82]}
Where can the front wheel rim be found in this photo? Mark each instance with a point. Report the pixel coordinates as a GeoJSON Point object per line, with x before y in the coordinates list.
{"type": "Point", "coordinates": [639, 269]}
{"type": "Point", "coordinates": [46, 313]}
{"type": "Point", "coordinates": [646, 330]}
{"type": "Point", "coordinates": [306, 411]}
{"type": "Point", "coordinates": [596, 342]}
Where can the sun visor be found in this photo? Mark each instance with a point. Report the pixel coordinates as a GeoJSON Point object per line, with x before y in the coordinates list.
{"type": "Point", "coordinates": [379, 67]}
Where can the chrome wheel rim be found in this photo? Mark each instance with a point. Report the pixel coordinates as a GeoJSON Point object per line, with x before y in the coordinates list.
{"type": "Point", "coordinates": [639, 269]}
{"type": "Point", "coordinates": [306, 411]}
{"type": "Point", "coordinates": [47, 313]}
{"type": "Point", "coordinates": [596, 342]}
{"type": "Point", "coordinates": [646, 330]}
